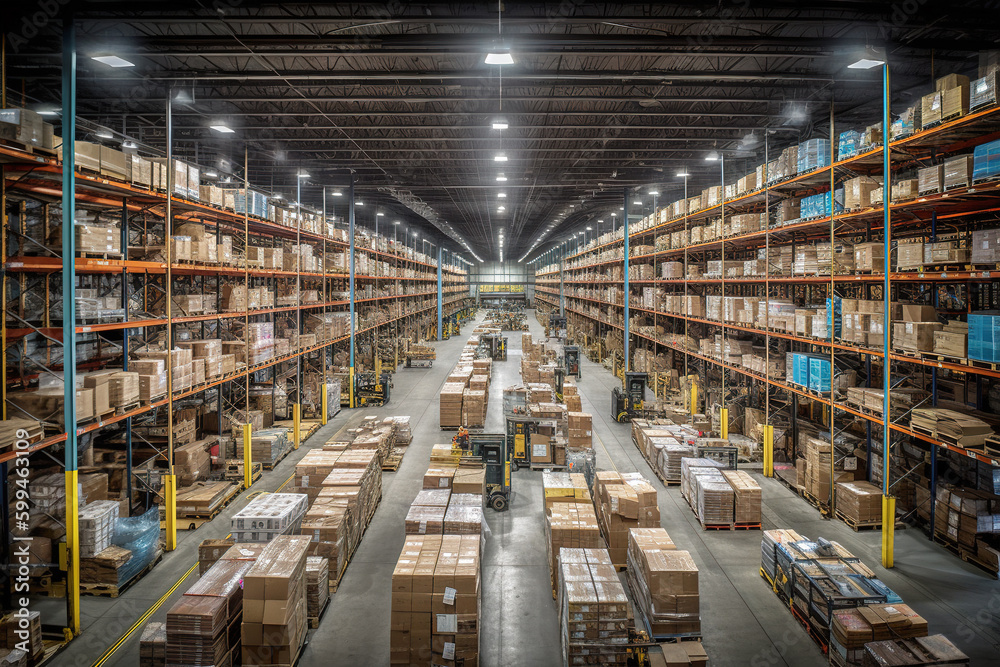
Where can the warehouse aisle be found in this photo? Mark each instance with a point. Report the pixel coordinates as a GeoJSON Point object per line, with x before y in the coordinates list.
{"type": "Point", "coordinates": [519, 623]}
{"type": "Point", "coordinates": [741, 618]}
{"type": "Point", "coordinates": [355, 629]}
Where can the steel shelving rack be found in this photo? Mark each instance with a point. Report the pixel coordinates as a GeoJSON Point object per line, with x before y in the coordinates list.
{"type": "Point", "coordinates": [596, 303]}
{"type": "Point", "coordinates": [35, 336]}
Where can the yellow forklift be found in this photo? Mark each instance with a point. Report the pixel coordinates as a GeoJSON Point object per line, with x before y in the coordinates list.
{"type": "Point", "coordinates": [627, 404]}
{"type": "Point", "coordinates": [493, 451]}
{"type": "Point", "coordinates": [529, 438]}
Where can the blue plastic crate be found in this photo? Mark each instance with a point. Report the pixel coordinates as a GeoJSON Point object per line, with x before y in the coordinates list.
{"type": "Point", "coordinates": [833, 316]}
{"type": "Point", "coordinates": [986, 160]}
{"type": "Point", "coordinates": [984, 337]}
{"type": "Point", "coordinates": [800, 369]}
{"type": "Point", "coordinates": [813, 154]}
{"type": "Point", "coordinates": [847, 144]}
{"type": "Point", "coordinates": [819, 374]}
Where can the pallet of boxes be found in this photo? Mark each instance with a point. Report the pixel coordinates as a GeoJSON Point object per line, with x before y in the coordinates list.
{"type": "Point", "coordinates": [623, 501]}
{"type": "Point", "coordinates": [853, 615]}
{"type": "Point", "coordinates": [570, 519]}
{"type": "Point", "coordinates": [721, 499]}
{"type": "Point", "coordinates": [664, 585]}
{"type": "Point", "coordinates": [343, 487]}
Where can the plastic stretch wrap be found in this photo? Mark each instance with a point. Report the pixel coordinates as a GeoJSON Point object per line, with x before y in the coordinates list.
{"type": "Point", "coordinates": [140, 535]}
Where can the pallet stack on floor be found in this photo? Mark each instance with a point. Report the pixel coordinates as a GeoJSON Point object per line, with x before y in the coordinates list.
{"type": "Point", "coordinates": [436, 594]}
{"type": "Point", "coordinates": [721, 499]}
{"type": "Point", "coordinates": [840, 602]}
{"type": "Point", "coordinates": [464, 398]}
{"type": "Point", "coordinates": [664, 585]}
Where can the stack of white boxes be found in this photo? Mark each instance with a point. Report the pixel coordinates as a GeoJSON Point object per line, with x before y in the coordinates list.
{"type": "Point", "coordinates": [97, 526]}
{"type": "Point", "coordinates": [268, 516]}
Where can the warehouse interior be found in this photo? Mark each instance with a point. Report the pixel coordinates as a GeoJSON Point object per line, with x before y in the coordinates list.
{"type": "Point", "coordinates": [527, 333]}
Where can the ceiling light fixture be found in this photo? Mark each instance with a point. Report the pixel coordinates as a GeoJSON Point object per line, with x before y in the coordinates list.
{"type": "Point", "coordinates": [500, 157]}
{"type": "Point", "coordinates": [501, 209]}
{"type": "Point", "coordinates": [499, 57]}
{"type": "Point", "coordinates": [359, 203]}
{"type": "Point", "coordinates": [48, 112]}
{"type": "Point", "coordinates": [713, 156]}
{"type": "Point", "coordinates": [222, 128]}
{"type": "Point", "coordinates": [501, 178]}
{"type": "Point", "coordinates": [502, 195]}
{"type": "Point", "coordinates": [869, 59]}
{"type": "Point", "coordinates": [104, 134]}
{"type": "Point", "coordinates": [211, 173]}
{"type": "Point", "coordinates": [381, 214]}
{"type": "Point", "coordinates": [654, 192]}
{"type": "Point", "coordinates": [279, 196]}
{"type": "Point", "coordinates": [682, 174]}
{"type": "Point", "coordinates": [499, 125]}
{"type": "Point", "coordinates": [113, 61]}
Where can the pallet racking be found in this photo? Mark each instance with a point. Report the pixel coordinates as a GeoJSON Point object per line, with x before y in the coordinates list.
{"type": "Point", "coordinates": [364, 295]}
{"type": "Point", "coordinates": [590, 282]}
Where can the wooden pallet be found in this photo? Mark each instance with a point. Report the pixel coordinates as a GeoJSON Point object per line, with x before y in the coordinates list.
{"type": "Point", "coordinates": [858, 525]}
{"type": "Point", "coordinates": [314, 620]}
{"type": "Point", "coordinates": [194, 520]}
{"type": "Point", "coordinates": [963, 553]}
{"type": "Point", "coordinates": [114, 590]}
{"type": "Point", "coordinates": [128, 407]}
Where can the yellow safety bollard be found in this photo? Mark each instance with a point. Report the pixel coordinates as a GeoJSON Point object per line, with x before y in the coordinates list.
{"type": "Point", "coordinates": [768, 450]}
{"type": "Point", "coordinates": [724, 423]}
{"type": "Point", "coordinates": [73, 548]}
{"type": "Point", "coordinates": [324, 404]}
{"type": "Point", "coordinates": [694, 399]}
{"type": "Point", "coordinates": [247, 455]}
{"type": "Point", "coordinates": [170, 494]}
{"type": "Point", "coordinates": [296, 423]}
{"type": "Point", "coordinates": [888, 530]}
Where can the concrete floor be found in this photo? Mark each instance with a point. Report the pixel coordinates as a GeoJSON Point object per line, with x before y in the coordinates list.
{"type": "Point", "coordinates": [743, 622]}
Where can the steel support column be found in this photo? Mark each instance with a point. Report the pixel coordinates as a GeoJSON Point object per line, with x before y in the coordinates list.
{"type": "Point", "coordinates": [625, 260]}
{"type": "Point", "coordinates": [350, 233]}
{"type": "Point", "coordinates": [440, 329]}
{"type": "Point", "coordinates": [69, 323]}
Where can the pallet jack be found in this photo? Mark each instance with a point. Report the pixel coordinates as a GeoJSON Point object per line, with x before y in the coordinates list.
{"type": "Point", "coordinates": [627, 404]}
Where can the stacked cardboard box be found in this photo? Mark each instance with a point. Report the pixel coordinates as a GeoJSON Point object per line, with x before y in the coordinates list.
{"type": "Point", "coordinates": [274, 603]}
{"type": "Point", "coordinates": [317, 585]}
{"type": "Point", "coordinates": [579, 430]}
{"type": "Point", "coordinates": [860, 502]}
{"type": "Point", "coordinates": [933, 650]}
{"type": "Point", "coordinates": [469, 481]}
{"type": "Point", "coordinates": [569, 524]}
{"type": "Point", "coordinates": [953, 339]}
{"type": "Point", "coordinates": [97, 526]}
{"type": "Point", "coordinates": [268, 516]}
{"type": "Point", "coordinates": [747, 495]}
{"type": "Point", "coordinates": [853, 628]}
{"type": "Point", "coordinates": [594, 611]}
{"type": "Point", "coordinates": [473, 408]}
{"type": "Point", "coordinates": [197, 631]}
{"type": "Point", "coordinates": [426, 513]}
{"type": "Point", "coordinates": [623, 502]}
{"type": "Point", "coordinates": [435, 601]}
{"type": "Point", "coordinates": [665, 583]}
{"type": "Point", "coordinates": [210, 551]}
{"type": "Point", "coordinates": [451, 405]}
{"type": "Point", "coordinates": [153, 645]}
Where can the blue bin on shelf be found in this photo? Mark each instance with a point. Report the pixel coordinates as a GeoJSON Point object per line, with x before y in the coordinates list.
{"type": "Point", "coordinates": [986, 161]}
{"type": "Point", "coordinates": [819, 374]}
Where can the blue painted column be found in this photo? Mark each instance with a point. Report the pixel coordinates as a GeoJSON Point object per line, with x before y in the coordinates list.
{"type": "Point", "coordinates": [350, 279]}
{"type": "Point", "coordinates": [69, 321]}
{"type": "Point", "coordinates": [628, 364]}
{"type": "Point", "coordinates": [440, 256]}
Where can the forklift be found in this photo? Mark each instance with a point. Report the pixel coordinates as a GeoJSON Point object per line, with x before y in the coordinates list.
{"type": "Point", "coordinates": [493, 450]}
{"type": "Point", "coordinates": [628, 404]}
{"type": "Point", "coordinates": [372, 389]}
{"type": "Point", "coordinates": [495, 345]}
{"type": "Point", "coordinates": [556, 323]}
{"type": "Point", "coordinates": [571, 360]}
{"type": "Point", "coordinates": [520, 429]}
